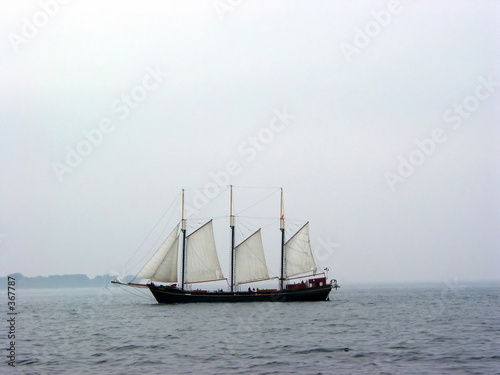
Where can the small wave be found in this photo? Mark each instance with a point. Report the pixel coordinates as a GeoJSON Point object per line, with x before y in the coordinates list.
{"type": "Point", "coordinates": [28, 362]}
{"type": "Point", "coordinates": [171, 337]}
{"type": "Point", "coordinates": [322, 350]}
{"type": "Point", "coordinates": [147, 362]}
{"type": "Point", "coordinates": [399, 347]}
{"type": "Point", "coordinates": [125, 347]}
{"type": "Point", "coordinates": [157, 346]}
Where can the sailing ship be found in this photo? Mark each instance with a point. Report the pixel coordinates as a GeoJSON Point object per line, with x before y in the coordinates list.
{"type": "Point", "coordinates": [200, 264]}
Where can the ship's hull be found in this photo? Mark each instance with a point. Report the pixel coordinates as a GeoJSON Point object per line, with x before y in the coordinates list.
{"type": "Point", "coordinates": [172, 295]}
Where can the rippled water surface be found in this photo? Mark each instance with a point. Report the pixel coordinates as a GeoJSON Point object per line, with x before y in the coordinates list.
{"type": "Point", "coordinates": [377, 330]}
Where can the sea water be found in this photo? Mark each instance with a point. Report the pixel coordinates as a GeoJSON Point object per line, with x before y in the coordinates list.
{"type": "Point", "coordinates": [435, 329]}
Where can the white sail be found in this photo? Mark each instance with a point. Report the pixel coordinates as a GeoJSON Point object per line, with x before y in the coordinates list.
{"type": "Point", "coordinates": [163, 264]}
{"type": "Point", "coordinates": [202, 262]}
{"type": "Point", "coordinates": [250, 263]}
{"type": "Point", "coordinates": [298, 255]}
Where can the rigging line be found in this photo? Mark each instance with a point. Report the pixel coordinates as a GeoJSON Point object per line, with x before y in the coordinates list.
{"type": "Point", "coordinates": [297, 220]}
{"type": "Point", "coordinates": [253, 205]}
{"type": "Point", "coordinates": [145, 296]}
{"type": "Point", "coordinates": [201, 260]}
{"type": "Point", "coordinates": [271, 223]}
{"type": "Point", "coordinates": [255, 255]}
{"type": "Point", "coordinates": [151, 231]}
{"type": "Point", "coordinates": [212, 217]}
{"type": "Point", "coordinates": [194, 225]}
{"type": "Point", "coordinates": [246, 225]}
{"type": "Point", "coordinates": [296, 224]}
{"type": "Point", "coordinates": [239, 228]}
{"type": "Point", "coordinates": [259, 217]}
{"type": "Point", "coordinates": [239, 233]}
{"type": "Point", "coordinates": [209, 202]}
{"type": "Point", "coordinates": [293, 231]}
{"type": "Point", "coordinates": [256, 187]}
{"type": "Point", "coordinates": [289, 233]}
{"type": "Point", "coordinates": [156, 243]}
{"type": "Point", "coordinates": [159, 238]}
{"type": "Point", "coordinates": [224, 187]}
{"type": "Point", "coordinates": [155, 246]}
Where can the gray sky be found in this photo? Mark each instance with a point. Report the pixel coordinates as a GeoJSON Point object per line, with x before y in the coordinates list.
{"type": "Point", "coordinates": [379, 119]}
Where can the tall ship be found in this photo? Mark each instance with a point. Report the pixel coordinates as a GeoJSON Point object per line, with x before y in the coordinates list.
{"type": "Point", "coordinates": [196, 254]}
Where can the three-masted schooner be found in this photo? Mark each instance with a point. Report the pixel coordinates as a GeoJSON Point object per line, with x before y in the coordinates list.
{"type": "Point", "coordinates": [200, 263]}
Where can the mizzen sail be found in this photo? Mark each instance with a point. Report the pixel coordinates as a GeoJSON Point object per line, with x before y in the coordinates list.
{"type": "Point", "coordinates": [250, 260]}
{"type": "Point", "coordinates": [202, 262]}
{"type": "Point", "coordinates": [163, 264]}
{"type": "Point", "coordinates": [298, 254]}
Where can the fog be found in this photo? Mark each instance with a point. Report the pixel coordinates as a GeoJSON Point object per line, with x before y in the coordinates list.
{"type": "Point", "coordinates": [378, 119]}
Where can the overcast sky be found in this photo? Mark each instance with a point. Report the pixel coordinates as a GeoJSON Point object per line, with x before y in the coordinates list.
{"type": "Point", "coordinates": [378, 118]}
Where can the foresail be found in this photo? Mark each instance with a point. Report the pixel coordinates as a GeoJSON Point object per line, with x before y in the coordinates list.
{"type": "Point", "coordinates": [298, 255]}
{"type": "Point", "coordinates": [202, 262]}
{"type": "Point", "coordinates": [250, 260]}
{"type": "Point", "coordinates": [163, 264]}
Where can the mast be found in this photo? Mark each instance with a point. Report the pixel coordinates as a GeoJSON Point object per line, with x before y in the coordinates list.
{"type": "Point", "coordinates": [282, 229]}
{"type": "Point", "coordinates": [231, 224]}
{"type": "Point", "coordinates": [183, 229]}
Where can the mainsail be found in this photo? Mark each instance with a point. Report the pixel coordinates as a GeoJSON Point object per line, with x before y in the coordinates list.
{"type": "Point", "coordinates": [163, 264]}
{"type": "Point", "coordinates": [202, 262]}
{"type": "Point", "coordinates": [250, 260]}
{"type": "Point", "coordinates": [298, 255]}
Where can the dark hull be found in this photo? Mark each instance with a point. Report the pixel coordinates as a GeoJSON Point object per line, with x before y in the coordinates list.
{"type": "Point", "coordinates": [171, 295]}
